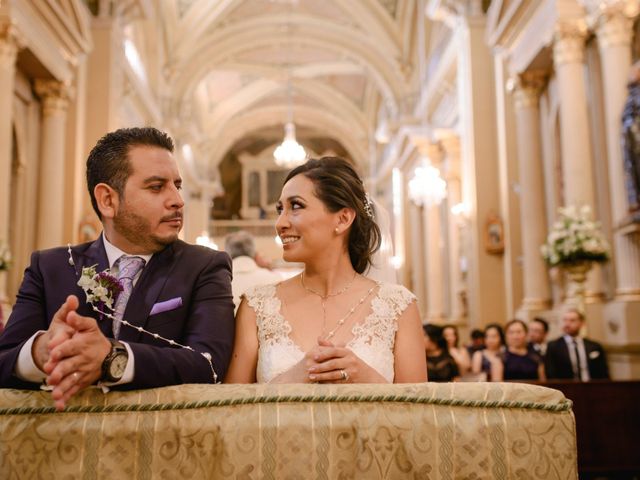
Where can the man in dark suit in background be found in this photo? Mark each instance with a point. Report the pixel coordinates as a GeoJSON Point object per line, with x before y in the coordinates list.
{"type": "Point", "coordinates": [172, 289]}
{"type": "Point", "coordinates": [571, 356]}
{"type": "Point", "coordinates": [538, 330]}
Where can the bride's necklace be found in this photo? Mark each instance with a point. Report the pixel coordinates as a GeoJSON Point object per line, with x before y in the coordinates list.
{"type": "Point", "coordinates": [335, 294]}
{"type": "Point", "coordinates": [323, 302]}
{"type": "Point", "coordinates": [344, 319]}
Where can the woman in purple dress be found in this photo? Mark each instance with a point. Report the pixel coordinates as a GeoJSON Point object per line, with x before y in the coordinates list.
{"type": "Point", "coordinates": [520, 363]}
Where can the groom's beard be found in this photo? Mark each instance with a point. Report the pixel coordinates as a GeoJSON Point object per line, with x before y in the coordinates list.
{"type": "Point", "coordinates": [139, 230]}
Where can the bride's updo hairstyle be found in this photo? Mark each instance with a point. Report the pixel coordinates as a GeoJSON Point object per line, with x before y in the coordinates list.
{"type": "Point", "coordinates": [338, 186]}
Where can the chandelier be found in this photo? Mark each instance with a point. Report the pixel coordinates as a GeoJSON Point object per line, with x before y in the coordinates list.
{"type": "Point", "coordinates": [289, 153]}
{"type": "Point", "coordinates": [427, 186]}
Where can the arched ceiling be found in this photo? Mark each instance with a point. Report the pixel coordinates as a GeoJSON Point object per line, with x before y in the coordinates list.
{"type": "Point", "coordinates": [235, 66]}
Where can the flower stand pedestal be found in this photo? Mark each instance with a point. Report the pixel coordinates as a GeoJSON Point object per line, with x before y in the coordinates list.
{"type": "Point", "coordinates": [577, 275]}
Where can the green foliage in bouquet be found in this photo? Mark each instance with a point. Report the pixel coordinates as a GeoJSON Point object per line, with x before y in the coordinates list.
{"type": "Point", "coordinates": [5, 257]}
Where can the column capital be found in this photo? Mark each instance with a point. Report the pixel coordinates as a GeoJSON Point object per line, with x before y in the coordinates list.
{"type": "Point", "coordinates": [569, 42]}
{"type": "Point", "coordinates": [427, 147]}
{"type": "Point", "coordinates": [528, 88]}
{"type": "Point", "coordinates": [10, 42]}
{"type": "Point", "coordinates": [451, 150]}
{"type": "Point", "coordinates": [613, 25]}
{"type": "Point", "coordinates": [433, 151]}
{"type": "Point", "coordinates": [55, 95]}
{"type": "Point", "coordinates": [451, 146]}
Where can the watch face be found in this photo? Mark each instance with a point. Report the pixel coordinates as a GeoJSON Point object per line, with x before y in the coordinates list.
{"type": "Point", "coordinates": [118, 364]}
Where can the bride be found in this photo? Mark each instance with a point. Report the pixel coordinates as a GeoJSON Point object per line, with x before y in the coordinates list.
{"type": "Point", "coordinates": [330, 324]}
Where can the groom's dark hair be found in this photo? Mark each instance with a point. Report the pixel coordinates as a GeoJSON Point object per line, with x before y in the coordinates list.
{"type": "Point", "coordinates": [108, 162]}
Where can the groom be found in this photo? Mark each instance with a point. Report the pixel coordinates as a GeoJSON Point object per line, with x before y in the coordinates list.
{"type": "Point", "coordinates": [178, 291]}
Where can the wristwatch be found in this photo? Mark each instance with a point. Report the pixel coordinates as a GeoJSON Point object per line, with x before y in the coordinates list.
{"type": "Point", "coordinates": [115, 362]}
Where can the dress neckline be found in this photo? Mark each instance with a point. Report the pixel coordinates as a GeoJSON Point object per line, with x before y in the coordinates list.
{"type": "Point", "coordinates": [289, 327]}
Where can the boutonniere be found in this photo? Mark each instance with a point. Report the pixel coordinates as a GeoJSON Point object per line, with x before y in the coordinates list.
{"type": "Point", "coordinates": [101, 288]}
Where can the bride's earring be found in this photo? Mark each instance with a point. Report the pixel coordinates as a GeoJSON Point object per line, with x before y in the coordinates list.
{"type": "Point", "coordinates": [337, 230]}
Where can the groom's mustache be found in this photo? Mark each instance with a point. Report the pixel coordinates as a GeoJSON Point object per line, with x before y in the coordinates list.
{"type": "Point", "coordinates": [175, 216]}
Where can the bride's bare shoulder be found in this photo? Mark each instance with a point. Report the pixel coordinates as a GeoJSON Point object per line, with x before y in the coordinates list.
{"type": "Point", "coordinates": [288, 285]}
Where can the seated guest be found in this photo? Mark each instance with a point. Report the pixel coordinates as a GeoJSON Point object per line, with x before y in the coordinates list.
{"type": "Point", "coordinates": [167, 289]}
{"type": "Point", "coordinates": [441, 366]}
{"type": "Point", "coordinates": [489, 360]}
{"type": "Point", "coordinates": [459, 354]}
{"type": "Point", "coordinates": [519, 362]}
{"type": "Point", "coordinates": [571, 356]}
{"type": "Point", "coordinates": [477, 341]}
{"type": "Point", "coordinates": [246, 272]}
{"type": "Point", "coordinates": [538, 329]}
{"type": "Point", "coordinates": [331, 323]}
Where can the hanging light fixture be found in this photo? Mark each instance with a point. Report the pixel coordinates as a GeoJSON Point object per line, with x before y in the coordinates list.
{"type": "Point", "coordinates": [289, 153]}
{"type": "Point", "coordinates": [427, 187]}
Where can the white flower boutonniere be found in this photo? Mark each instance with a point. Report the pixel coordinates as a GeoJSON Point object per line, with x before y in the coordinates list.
{"type": "Point", "coordinates": [101, 288]}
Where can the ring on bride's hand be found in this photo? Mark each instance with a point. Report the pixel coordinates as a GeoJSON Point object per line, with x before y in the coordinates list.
{"type": "Point", "coordinates": [344, 375]}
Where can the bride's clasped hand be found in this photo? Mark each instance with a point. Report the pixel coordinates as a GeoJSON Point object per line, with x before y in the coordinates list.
{"type": "Point", "coordinates": [328, 363]}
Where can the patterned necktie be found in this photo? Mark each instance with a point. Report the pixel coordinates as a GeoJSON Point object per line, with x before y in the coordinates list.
{"type": "Point", "coordinates": [128, 268]}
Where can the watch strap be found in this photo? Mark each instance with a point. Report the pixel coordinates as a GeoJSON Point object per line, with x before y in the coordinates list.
{"type": "Point", "coordinates": [117, 348]}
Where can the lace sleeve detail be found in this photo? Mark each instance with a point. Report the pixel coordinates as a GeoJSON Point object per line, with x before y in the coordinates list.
{"type": "Point", "coordinates": [271, 327]}
{"type": "Point", "coordinates": [397, 296]}
{"type": "Point", "coordinates": [382, 324]}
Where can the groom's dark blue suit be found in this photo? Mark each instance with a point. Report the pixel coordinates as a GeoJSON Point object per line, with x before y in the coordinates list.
{"type": "Point", "coordinates": [199, 277]}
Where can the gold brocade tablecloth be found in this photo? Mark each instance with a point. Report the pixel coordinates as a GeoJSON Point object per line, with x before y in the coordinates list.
{"type": "Point", "coordinates": [418, 431]}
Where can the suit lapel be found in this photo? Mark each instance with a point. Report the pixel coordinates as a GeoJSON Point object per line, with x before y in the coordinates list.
{"type": "Point", "coordinates": [564, 349]}
{"type": "Point", "coordinates": [96, 255]}
{"type": "Point", "coordinates": [146, 292]}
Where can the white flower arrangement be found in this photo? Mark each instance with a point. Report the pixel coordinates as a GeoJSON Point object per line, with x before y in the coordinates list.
{"type": "Point", "coordinates": [102, 289]}
{"type": "Point", "coordinates": [574, 238]}
{"type": "Point", "coordinates": [5, 257]}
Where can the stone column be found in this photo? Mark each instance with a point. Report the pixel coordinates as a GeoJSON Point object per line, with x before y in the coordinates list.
{"type": "Point", "coordinates": [51, 206]}
{"type": "Point", "coordinates": [451, 147]}
{"type": "Point", "coordinates": [577, 157]}
{"type": "Point", "coordinates": [615, 31]}
{"type": "Point", "coordinates": [434, 260]}
{"type": "Point", "coordinates": [415, 257]}
{"type": "Point", "coordinates": [479, 164]}
{"type": "Point", "coordinates": [8, 54]}
{"type": "Point", "coordinates": [532, 206]}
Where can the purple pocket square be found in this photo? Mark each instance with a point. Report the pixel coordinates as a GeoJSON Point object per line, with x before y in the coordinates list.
{"type": "Point", "coordinates": [166, 306]}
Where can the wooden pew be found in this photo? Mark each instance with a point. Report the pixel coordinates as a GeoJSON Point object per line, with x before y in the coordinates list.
{"type": "Point", "coordinates": [439, 431]}
{"type": "Point", "coordinates": [608, 426]}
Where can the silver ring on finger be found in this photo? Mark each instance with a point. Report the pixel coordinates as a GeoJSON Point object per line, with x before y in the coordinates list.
{"type": "Point", "coordinates": [344, 375]}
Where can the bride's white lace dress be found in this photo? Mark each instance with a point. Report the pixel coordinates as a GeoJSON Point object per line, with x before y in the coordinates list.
{"type": "Point", "coordinates": [373, 337]}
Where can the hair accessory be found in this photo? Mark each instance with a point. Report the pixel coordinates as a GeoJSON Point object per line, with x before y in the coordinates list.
{"type": "Point", "coordinates": [368, 207]}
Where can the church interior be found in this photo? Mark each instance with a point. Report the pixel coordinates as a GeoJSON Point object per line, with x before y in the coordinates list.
{"type": "Point", "coordinates": [499, 112]}
{"type": "Point", "coordinates": [474, 123]}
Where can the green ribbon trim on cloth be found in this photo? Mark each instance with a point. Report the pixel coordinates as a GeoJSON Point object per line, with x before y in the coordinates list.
{"type": "Point", "coordinates": [562, 406]}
